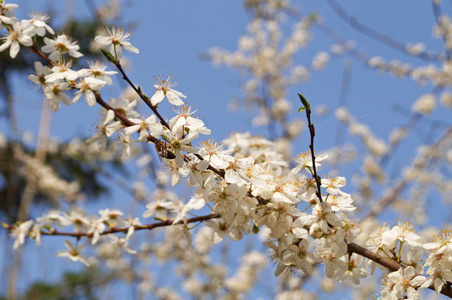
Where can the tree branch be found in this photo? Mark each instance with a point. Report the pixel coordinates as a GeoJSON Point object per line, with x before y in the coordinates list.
{"type": "Point", "coordinates": [123, 229]}
{"type": "Point", "coordinates": [372, 33]}
{"type": "Point", "coordinates": [390, 264]}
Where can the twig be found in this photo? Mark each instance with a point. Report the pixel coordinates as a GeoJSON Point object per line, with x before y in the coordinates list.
{"type": "Point", "coordinates": [140, 93]}
{"type": "Point", "coordinates": [372, 33]}
{"type": "Point", "coordinates": [158, 143]}
{"type": "Point", "coordinates": [150, 138]}
{"type": "Point", "coordinates": [345, 88]}
{"type": "Point", "coordinates": [437, 13]}
{"type": "Point", "coordinates": [307, 108]}
{"type": "Point", "coordinates": [35, 49]}
{"type": "Point", "coordinates": [420, 163]}
{"type": "Point", "coordinates": [123, 229]}
{"type": "Point", "coordinates": [390, 264]}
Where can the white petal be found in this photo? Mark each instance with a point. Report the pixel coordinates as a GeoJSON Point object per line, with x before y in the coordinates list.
{"type": "Point", "coordinates": [54, 104]}
{"type": "Point", "coordinates": [104, 40]}
{"type": "Point", "coordinates": [90, 98]}
{"type": "Point", "coordinates": [174, 99]}
{"type": "Point", "coordinates": [157, 98]}
{"type": "Point", "coordinates": [15, 47]}
{"type": "Point", "coordinates": [131, 129]}
{"type": "Point", "coordinates": [110, 116]}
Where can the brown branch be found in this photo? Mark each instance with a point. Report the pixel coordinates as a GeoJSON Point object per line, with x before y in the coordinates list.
{"type": "Point", "coordinates": [372, 33]}
{"type": "Point", "coordinates": [123, 229]}
{"type": "Point", "coordinates": [311, 146]}
{"type": "Point", "coordinates": [120, 116]}
{"type": "Point", "coordinates": [35, 49]}
{"type": "Point", "coordinates": [124, 119]}
{"type": "Point", "coordinates": [361, 56]}
{"type": "Point", "coordinates": [150, 138]}
{"type": "Point", "coordinates": [390, 264]}
{"type": "Point", "coordinates": [140, 93]}
{"type": "Point", "coordinates": [437, 13]}
{"type": "Point", "coordinates": [158, 143]}
{"type": "Point", "coordinates": [388, 200]}
{"type": "Point", "coordinates": [162, 120]}
{"type": "Point", "coordinates": [344, 93]}
{"type": "Point", "coordinates": [385, 262]}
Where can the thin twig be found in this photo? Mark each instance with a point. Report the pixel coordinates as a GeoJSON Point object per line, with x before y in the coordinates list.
{"type": "Point", "coordinates": [390, 264]}
{"type": "Point", "coordinates": [345, 88]}
{"type": "Point", "coordinates": [150, 138]}
{"type": "Point", "coordinates": [372, 33]}
{"type": "Point", "coordinates": [122, 229]}
{"type": "Point", "coordinates": [393, 196]}
{"type": "Point", "coordinates": [437, 13]}
{"type": "Point", "coordinates": [307, 108]}
{"type": "Point", "coordinates": [35, 49]}
{"type": "Point", "coordinates": [142, 96]}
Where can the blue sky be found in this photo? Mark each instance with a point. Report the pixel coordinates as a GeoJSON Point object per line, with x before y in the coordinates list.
{"type": "Point", "coordinates": [173, 35]}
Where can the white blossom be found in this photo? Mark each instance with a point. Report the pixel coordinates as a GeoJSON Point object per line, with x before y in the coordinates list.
{"type": "Point", "coordinates": [87, 86]}
{"type": "Point", "coordinates": [165, 89]}
{"type": "Point", "coordinates": [117, 40]}
{"type": "Point", "coordinates": [73, 253]}
{"type": "Point", "coordinates": [60, 45]}
{"type": "Point", "coordinates": [19, 233]}
{"type": "Point", "coordinates": [16, 35]}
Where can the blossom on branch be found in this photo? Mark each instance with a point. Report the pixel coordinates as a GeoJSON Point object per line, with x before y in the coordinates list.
{"type": "Point", "coordinates": [40, 77]}
{"type": "Point", "coordinates": [144, 126]}
{"type": "Point", "coordinates": [39, 22]}
{"type": "Point", "coordinates": [165, 89]}
{"type": "Point", "coordinates": [97, 70]}
{"type": "Point", "coordinates": [54, 92]}
{"type": "Point", "coordinates": [179, 143]}
{"type": "Point", "coordinates": [184, 122]}
{"type": "Point", "coordinates": [304, 161]}
{"type": "Point", "coordinates": [60, 45]}
{"type": "Point", "coordinates": [17, 35]}
{"type": "Point", "coordinates": [117, 40]}
{"type": "Point", "coordinates": [105, 130]}
{"type": "Point", "coordinates": [73, 253]}
{"type": "Point", "coordinates": [401, 282]}
{"type": "Point", "coordinates": [6, 13]}
{"type": "Point", "coordinates": [62, 70]}
{"type": "Point", "coordinates": [87, 86]}
{"type": "Point", "coordinates": [120, 243]}
{"type": "Point", "coordinates": [19, 233]}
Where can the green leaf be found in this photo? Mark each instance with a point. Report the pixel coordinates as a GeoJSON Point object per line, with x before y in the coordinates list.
{"type": "Point", "coordinates": [301, 109]}
{"type": "Point", "coordinates": [108, 55]}
{"type": "Point", "coordinates": [305, 102]}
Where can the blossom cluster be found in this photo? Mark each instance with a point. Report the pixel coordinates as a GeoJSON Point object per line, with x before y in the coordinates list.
{"type": "Point", "coordinates": [245, 182]}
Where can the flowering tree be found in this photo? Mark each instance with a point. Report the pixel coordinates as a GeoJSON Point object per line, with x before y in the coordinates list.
{"type": "Point", "coordinates": [245, 185]}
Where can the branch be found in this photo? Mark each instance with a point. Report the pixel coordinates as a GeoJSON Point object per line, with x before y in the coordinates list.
{"type": "Point", "coordinates": [372, 33]}
{"type": "Point", "coordinates": [390, 264]}
{"type": "Point", "coordinates": [159, 145]}
{"type": "Point", "coordinates": [437, 13]}
{"type": "Point", "coordinates": [151, 226]}
{"type": "Point", "coordinates": [35, 49]}
{"type": "Point", "coordinates": [307, 108]}
{"type": "Point", "coordinates": [419, 163]}
{"type": "Point", "coordinates": [140, 93]}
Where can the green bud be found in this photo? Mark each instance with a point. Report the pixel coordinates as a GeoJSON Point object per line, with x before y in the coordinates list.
{"type": "Point", "coordinates": [108, 56]}
{"type": "Point", "coordinates": [305, 102]}
{"type": "Point", "coordinates": [255, 229]}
